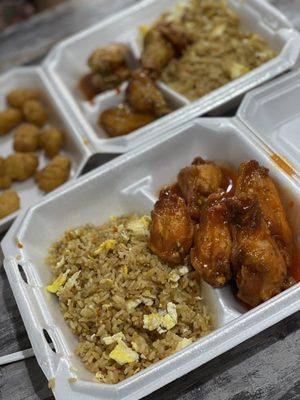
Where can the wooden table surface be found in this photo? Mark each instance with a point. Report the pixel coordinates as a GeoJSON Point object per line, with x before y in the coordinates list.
{"type": "Point", "coordinates": [264, 367]}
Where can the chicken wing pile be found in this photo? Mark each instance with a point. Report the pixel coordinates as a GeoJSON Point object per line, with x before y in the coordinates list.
{"type": "Point", "coordinates": [144, 102]}
{"type": "Point", "coordinates": [26, 116]}
{"type": "Point", "coordinates": [241, 234]}
{"type": "Point", "coordinates": [195, 48]}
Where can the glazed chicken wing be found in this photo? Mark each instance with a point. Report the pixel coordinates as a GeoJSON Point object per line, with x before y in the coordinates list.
{"type": "Point", "coordinates": [144, 96]}
{"type": "Point", "coordinates": [175, 35]}
{"type": "Point", "coordinates": [197, 182]}
{"type": "Point", "coordinates": [94, 83]}
{"type": "Point", "coordinates": [122, 120]}
{"type": "Point", "coordinates": [255, 179]}
{"type": "Point", "coordinates": [258, 265]}
{"type": "Point", "coordinates": [157, 52]}
{"type": "Point", "coordinates": [107, 59]}
{"type": "Point", "coordinates": [171, 232]}
{"type": "Point", "coordinates": [211, 253]}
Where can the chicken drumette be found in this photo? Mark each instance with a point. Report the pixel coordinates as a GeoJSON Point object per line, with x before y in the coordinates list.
{"type": "Point", "coordinates": [109, 69]}
{"type": "Point", "coordinates": [157, 52]}
{"type": "Point", "coordinates": [144, 96]}
{"type": "Point", "coordinates": [122, 120]}
{"type": "Point", "coordinates": [171, 232]}
{"type": "Point", "coordinates": [197, 182]}
{"type": "Point", "coordinates": [162, 43]}
{"type": "Point", "coordinates": [211, 253]}
{"type": "Point", "coordinates": [258, 265]}
{"type": "Point", "coordinates": [254, 179]}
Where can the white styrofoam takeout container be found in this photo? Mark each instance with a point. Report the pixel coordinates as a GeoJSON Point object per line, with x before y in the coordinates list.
{"type": "Point", "coordinates": [129, 184]}
{"type": "Point", "coordinates": [272, 112]}
{"type": "Point", "coordinates": [75, 147]}
{"type": "Point", "coordinates": [67, 63]}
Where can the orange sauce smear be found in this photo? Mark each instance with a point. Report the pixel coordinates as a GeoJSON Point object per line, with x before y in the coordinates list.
{"type": "Point", "coordinates": [287, 168]}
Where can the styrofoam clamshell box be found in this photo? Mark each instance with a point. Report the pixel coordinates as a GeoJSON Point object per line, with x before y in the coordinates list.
{"type": "Point", "coordinates": [75, 146]}
{"type": "Point", "coordinates": [67, 63]}
{"type": "Point", "coordinates": [129, 184]}
{"type": "Point", "coordinates": [272, 112]}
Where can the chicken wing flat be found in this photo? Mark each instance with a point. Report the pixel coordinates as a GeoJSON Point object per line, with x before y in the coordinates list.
{"type": "Point", "coordinates": [93, 84]}
{"type": "Point", "coordinates": [171, 232]}
{"type": "Point", "coordinates": [211, 253]}
{"type": "Point", "coordinates": [175, 35]}
{"type": "Point", "coordinates": [258, 265]}
{"type": "Point", "coordinates": [157, 51]}
{"type": "Point", "coordinates": [255, 179]}
{"type": "Point", "coordinates": [197, 182]}
{"type": "Point", "coordinates": [144, 96]}
{"type": "Point", "coordinates": [107, 59]}
{"type": "Point", "coordinates": [122, 120]}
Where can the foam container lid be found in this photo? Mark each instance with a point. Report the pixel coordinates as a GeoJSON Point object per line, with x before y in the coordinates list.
{"type": "Point", "coordinates": [272, 112]}
{"type": "Point", "coordinates": [129, 184]}
{"type": "Point", "coordinates": [67, 63]}
{"type": "Point", "coordinates": [75, 141]}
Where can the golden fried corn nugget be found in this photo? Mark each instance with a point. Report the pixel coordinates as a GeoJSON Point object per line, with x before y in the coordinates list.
{"type": "Point", "coordinates": [5, 180]}
{"type": "Point", "coordinates": [9, 203]}
{"type": "Point", "coordinates": [35, 112]}
{"type": "Point", "coordinates": [21, 166]}
{"type": "Point", "coordinates": [9, 119]}
{"type": "Point", "coordinates": [17, 98]}
{"type": "Point", "coordinates": [54, 174]}
{"type": "Point", "coordinates": [26, 138]}
{"type": "Point", "coordinates": [51, 140]}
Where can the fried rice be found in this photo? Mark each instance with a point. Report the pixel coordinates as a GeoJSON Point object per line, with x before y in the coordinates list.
{"type": "Point", "coordinates": [221, 51]}
{"type": "Point", "coordinates": [126, 307]}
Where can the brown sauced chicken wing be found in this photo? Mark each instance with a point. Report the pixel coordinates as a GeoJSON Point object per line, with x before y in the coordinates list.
{"type": "Point", "coordinates": [122, 120]}
{"type": "Point", "coordinates": [109, 69]}
{"type": "Point", "coordinates": [175, 35]}
{"type": "Point", "coordinates": [255, 179]}
{"type": "Point", "coordinates": [157, 51]}
{"type": "Point", "coordinates": [5, 179]}
{"type": "Point", "coordinates": [105, 82]}
{"type": "Point", "coordinates": [54, 174]}
{"type": "Point", "coordinates": [94, 83]}
{"type": "Point", "coordinates": [9, 203]}
{"type": "Point", "coordinates": [21, 166]}
{"type": "Point", "coordinates": [144, 96]}
{"type": "Point", "coordinates": [171, 232]}
{"type": "Point", "coordinates": [26, 138]}
{"type": "Point", "coordinates": [108, 58]}
{"type": "Point", "coordinates": [51, 141]}
{"type": "Point", "coordinates": [211, 253]}
{"type": "Point", "coordinates": [34, 112]}
{"type": "Point", "coordinates": [17, 98]}
{"type": "Point", "coordinates": [258, 265]}
{"type": "Point", "coordinates": [9, 119]}
{"type": "Point", "coordinates": [197, 182]}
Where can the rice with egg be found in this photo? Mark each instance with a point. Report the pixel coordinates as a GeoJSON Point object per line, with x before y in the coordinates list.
{"type": "Point", "coordinates": [221, 49]}
{"type": "Point", "coordinates": [127, 308]}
